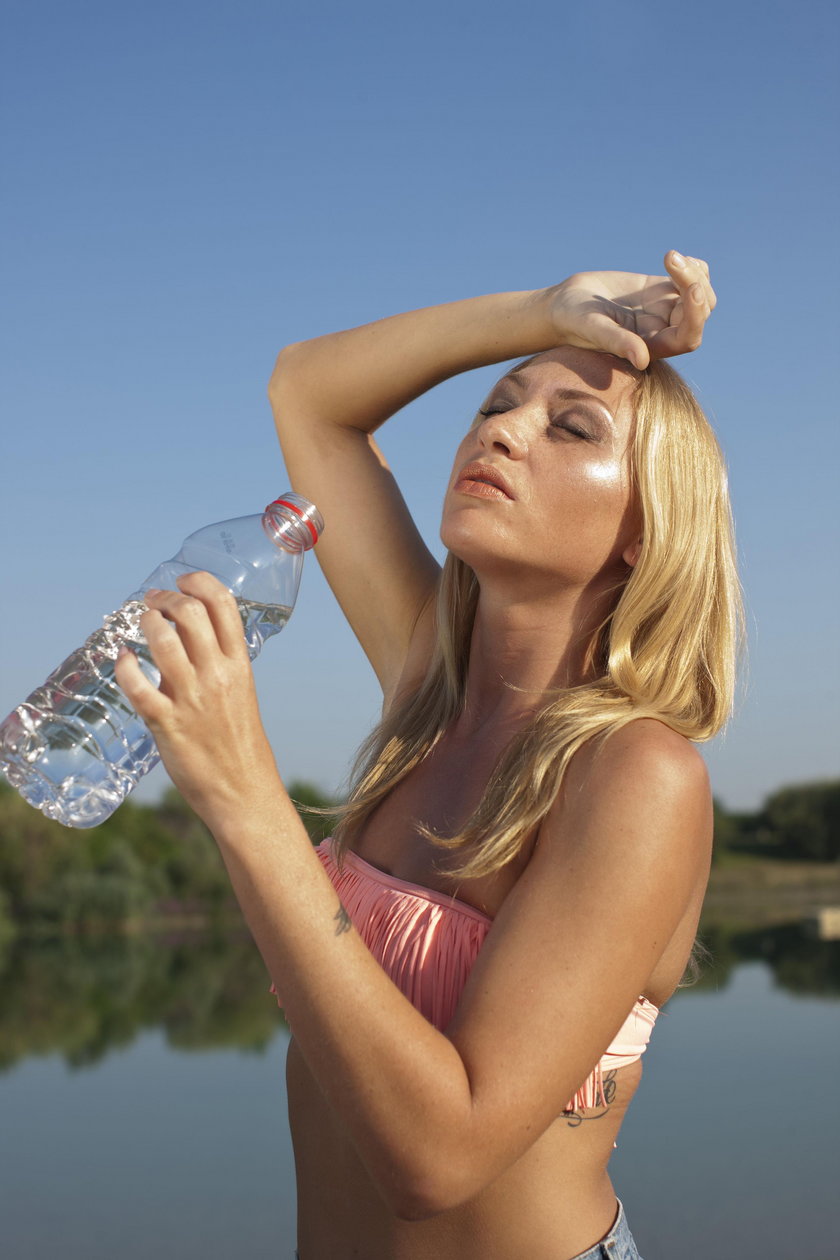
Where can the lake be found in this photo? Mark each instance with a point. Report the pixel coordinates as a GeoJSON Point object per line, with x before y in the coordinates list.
{"type": "Point", "coordinates": [142, 1105]}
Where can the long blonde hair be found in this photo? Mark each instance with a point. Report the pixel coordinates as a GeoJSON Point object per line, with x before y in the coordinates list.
{"type": "Point", "coordinates": [667, 650]}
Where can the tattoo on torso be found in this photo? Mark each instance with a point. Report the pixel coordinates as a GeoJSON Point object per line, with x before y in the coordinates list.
{"type": "Point", "coordinates": [574, 1118]}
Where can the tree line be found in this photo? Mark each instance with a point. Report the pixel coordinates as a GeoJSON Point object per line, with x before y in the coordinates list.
{"type": "Point", "coordinates": [146, 862]}
{"type": "Point", "coordinates": [799, 823]}
{"type": "Point", "coordinates": [159, 862]}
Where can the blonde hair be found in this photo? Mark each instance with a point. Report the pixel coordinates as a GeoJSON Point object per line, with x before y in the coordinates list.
{"type": "Point", "coordinates": [667, 650]}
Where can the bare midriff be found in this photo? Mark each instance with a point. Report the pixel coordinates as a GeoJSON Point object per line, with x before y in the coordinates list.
{"type": "Point", "coordinates": [556, 1201]}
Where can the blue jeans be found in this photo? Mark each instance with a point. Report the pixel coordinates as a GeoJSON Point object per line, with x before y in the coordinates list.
{"type": "Point", "coordinates": [617, 1244]}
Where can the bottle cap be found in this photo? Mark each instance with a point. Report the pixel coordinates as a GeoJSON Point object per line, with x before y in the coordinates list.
{"type": "Point", "coordinates": [295, 508]}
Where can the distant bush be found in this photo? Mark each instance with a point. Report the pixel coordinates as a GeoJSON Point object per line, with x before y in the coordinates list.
{"type": "Point", "coordinates": [8, 928]}
{"type": "Point", "coordinates": [149, 860]}
{"type": "Point", "coordinates": [801, 822]}
{"type": "Point", "coordinates": [80, 899]}
{"type": "Point", "coordinates": [143, 860]}
{"type": "Point", "coordinates": [805, 820]}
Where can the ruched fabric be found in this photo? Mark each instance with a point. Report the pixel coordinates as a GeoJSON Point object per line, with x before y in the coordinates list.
{"type": "Point", "coordinates": [427, 942]}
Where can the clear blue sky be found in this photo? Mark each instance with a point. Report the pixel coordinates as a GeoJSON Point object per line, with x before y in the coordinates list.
{"type": "Point", "coordinates": [188, 186]}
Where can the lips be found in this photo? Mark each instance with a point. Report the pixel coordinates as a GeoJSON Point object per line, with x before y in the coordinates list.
{"type": "Point", "coordinates": [484, 480]}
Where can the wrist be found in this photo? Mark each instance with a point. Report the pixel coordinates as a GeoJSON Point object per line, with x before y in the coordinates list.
{"type": "Point", "coordinates": [550, 307]}
{"type": "Point", "coordinates": [537, 330]}
{"type": "Point", "coordinates": [247, 805]}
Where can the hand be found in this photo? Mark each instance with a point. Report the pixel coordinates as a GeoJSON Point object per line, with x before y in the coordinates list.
{"type": "Point", "coordinates": [636, 317]}
{"type": "Point", "coordinates": [204, 717]}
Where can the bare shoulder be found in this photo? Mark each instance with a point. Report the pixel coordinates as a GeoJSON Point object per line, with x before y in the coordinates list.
{"type": "Point", "coordinates": [645, 754]}
{"type": "Point", "coordinates": [643, 794]}
{"type": "Point", "coordinates": [619, 863]}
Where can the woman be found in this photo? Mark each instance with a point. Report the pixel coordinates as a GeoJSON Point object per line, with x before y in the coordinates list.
{"type": "Point", "coordinates": [522, 866]}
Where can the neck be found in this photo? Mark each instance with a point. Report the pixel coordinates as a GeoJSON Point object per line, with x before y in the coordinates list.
{"type": "Point", "coordinates": [523, 649]}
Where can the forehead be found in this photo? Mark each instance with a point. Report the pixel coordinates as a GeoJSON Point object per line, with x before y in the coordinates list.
{"type": "Point", "coordinates": [608, 379]}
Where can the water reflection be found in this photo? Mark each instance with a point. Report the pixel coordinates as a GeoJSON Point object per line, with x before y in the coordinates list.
{"type": "Point", "coordinates": [81, 997]}
{"type": "Point", "coordinates": [800, 961]}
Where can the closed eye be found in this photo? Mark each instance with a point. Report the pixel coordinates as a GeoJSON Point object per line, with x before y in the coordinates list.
{"type": "Point", "coordinates": [483, 413]}
{"type": "Point", "coordinates": [563, 423]}
{"type": "Point", "coordinates": [567, 427]}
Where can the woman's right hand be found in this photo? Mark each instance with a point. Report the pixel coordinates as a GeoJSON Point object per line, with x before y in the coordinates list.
{"type": "Point", "coordinates": [332, 393]}
{"type": "Point", "coordinates": [633, 316]}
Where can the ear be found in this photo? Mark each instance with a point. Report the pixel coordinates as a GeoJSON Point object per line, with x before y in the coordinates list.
{"type": "Point", "coordinates": [631, 554]}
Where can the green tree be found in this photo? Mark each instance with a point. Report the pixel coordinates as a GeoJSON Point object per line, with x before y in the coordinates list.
{"type": "Point", "coordinates": [725, 828]}
{"type": "Point", "coordinates": [143, 861]}
{"type": "Point", "coordinates": [805, 820]}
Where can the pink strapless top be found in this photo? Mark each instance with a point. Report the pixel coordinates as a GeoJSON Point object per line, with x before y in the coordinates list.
{"type": "Point", "coordinates": [427, 942]}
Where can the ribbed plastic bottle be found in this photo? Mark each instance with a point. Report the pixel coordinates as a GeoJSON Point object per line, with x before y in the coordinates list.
{"type": "Point", "coordinates": [75, 748]}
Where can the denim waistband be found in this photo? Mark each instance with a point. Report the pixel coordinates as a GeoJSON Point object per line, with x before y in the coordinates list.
{"type": "Point", "coordinates": [617, 1243]}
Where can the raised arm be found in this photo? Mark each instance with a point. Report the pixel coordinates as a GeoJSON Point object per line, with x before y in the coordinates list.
{"type": "Point", "coordinates": [329, 396]}
{"type": "Point", "coordinates": [434, 1116]}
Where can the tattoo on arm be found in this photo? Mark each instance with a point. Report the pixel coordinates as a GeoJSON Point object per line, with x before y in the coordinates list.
{"type": "Point", "coordinates": [342, 920]}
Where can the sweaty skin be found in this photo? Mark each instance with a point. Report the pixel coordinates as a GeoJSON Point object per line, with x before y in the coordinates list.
{"type": "Point", "coordinates": [410, 1141]}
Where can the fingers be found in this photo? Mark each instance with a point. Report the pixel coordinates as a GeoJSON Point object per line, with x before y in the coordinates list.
{"type": "Point", "coordinates": [636, 353]}
{"type": "Point", "coordinates": [591, 310]}
{"type": "Point", "coordinates": [144, 698]}
{"type": "Point", "coordinates": [608, 335]}
{"type": "Point", "coordinates": [205, 617]}
{"type": "Point", "coordinates": [609, 324]}
{"type": "Point", "coordinates": [687, 271]}
{"type": "Point", "coordinates": [696, 302]}
{"type": "Point", "coordinates": [222, 610]}
{"type": "Point", "coordinates": [191, 635]}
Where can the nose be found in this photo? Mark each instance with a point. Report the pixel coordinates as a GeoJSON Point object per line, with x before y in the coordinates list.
{"type": "Point", "coordinates": [500, 431]}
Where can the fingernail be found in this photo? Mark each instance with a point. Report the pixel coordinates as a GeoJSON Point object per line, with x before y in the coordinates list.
{"type": "Point", "coordinates": [679, 261]}
{"type": "Point", "coordinates": [153, 590]}
{"type": "Point", "coordinates": [697, 292]}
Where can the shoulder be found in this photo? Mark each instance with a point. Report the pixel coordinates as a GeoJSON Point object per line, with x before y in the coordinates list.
{"type": "Point", "coordinates": [642, 791]}
{"type": "Point", "coordinates": [644, 754]}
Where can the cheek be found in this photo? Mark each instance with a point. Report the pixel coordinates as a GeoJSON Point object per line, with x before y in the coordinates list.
{"type": "Point", "coordinates": [599, 486]}
{"type": "Point", "coordinates": [597, 506]}
{"type": "Point", "coordinates": [608, 474]}
{"type": "Point", "coordinates": [464, 454]}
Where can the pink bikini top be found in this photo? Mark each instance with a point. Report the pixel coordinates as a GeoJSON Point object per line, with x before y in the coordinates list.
{"type": "Point", "coordinates": [427, 942]}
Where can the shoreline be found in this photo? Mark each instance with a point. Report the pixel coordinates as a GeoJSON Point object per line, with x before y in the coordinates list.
{"type": "Point", "coordinates": [755, 890]}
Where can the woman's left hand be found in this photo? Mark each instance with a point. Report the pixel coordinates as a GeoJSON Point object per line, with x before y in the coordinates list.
{"type": "Point", "coordinates": [204, 716]}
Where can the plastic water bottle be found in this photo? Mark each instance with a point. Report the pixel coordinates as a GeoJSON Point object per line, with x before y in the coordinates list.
{"type": "Point", "coordinates": [75, 748]}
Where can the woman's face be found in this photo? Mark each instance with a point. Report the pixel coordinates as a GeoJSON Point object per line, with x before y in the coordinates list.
{"type": "Point", "coordinates": [540, 484]}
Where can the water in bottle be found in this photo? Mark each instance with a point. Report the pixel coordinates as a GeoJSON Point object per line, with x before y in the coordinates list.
{"type": "Point", "coordinates": [75, 747]}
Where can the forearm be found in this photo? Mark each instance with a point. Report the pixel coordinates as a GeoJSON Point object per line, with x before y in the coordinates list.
{"type": "Point", "coordinates": [398, 1084]}
{"type": "Point", "coordinates": [360, 377]}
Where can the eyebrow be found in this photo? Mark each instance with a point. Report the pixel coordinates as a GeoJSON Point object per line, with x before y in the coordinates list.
{"type": "Point", "coordinates": [567, 395]}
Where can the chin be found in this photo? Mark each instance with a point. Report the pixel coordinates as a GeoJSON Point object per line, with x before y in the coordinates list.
{"type": "Point", "coordinates": [480, 554]}
{"type": "Point", "coordinates": [463, 540]}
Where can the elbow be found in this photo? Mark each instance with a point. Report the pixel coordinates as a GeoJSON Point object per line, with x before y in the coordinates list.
{"type": "Point", "coordinates": [415, 1204]}
{"type": "Point", "coordinates": [432, 1191]}
{"type": "Point", "coordinates": [411, 1209]}
{"type": "Point", "coordinates": [282, 370]}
